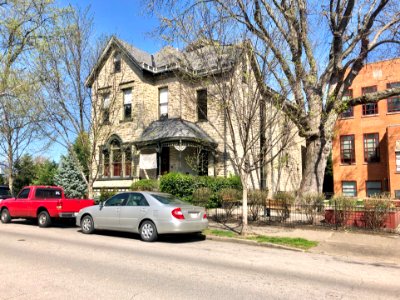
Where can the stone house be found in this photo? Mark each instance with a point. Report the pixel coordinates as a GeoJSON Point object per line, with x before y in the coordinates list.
{"type": "Point", "coordinates": [164, 113]}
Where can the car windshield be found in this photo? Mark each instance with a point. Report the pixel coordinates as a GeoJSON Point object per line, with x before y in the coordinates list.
{"type": "Point", "coordinates": [168, 199]}
{"type": "Point", "coordinates": [4, 191]}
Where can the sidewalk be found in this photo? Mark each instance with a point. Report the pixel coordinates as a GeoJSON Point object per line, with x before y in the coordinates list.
{"type": "Point", "coordinates": [371, 247]}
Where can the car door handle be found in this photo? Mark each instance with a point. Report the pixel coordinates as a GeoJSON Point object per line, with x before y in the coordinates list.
{"type": "Point", "coordinates": [143, 209]}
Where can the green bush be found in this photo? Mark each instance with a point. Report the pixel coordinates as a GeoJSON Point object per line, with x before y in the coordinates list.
{"type": "Point", "coordinates": [185, 186]}
{"type": "Point", "coordinates": [145, 185]}
{"type": "Point", "coordinates": [179, 185]}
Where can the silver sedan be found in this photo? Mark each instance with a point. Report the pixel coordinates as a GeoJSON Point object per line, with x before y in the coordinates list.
{"type": "Point", "coordinates": [146, 213]}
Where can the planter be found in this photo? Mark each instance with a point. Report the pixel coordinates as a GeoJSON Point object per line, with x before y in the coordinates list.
{"type": "Point", "coordinates": [363, 218]}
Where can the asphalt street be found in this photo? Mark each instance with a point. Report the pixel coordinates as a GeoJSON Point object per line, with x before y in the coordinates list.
{"type": "Point", "coordinates": [62, 263]}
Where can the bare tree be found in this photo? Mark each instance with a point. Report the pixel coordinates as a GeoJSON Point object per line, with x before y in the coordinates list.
{"type": "Point", "coordinates": [17, 131]}
{"type": "Point", "coordinates": [22, 26]}
{"type": "Point", "coordinates": [232, 91]}
{"type": "Point", "coordinates": [313, 50]}
{"type": "Point", "coordinates": [74, 116]}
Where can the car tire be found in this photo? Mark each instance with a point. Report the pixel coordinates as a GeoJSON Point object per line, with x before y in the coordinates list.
{"type": "Point", "coordinates": [148, 231]}
{"type": "Point", "coordinates": [5, 216]}
{"type": "Point", "coordinates": [87, 225]}
{"type": "Point", "coordinates": [44, 219]}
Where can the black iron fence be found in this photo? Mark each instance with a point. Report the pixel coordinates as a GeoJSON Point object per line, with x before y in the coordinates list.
{"type": "Point", "coordinates": [381, 215]}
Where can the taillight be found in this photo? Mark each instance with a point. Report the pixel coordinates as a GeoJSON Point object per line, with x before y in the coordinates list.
{"type": "Point", "coordinates": [177, 213]}
{"type": "Point", "coordinates": [205, 216]}
{"type": "Point", "coordinates": [59, 205]}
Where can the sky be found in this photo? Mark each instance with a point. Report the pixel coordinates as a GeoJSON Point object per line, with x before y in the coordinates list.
{"type": "Point", "coordinates": [123, 18]}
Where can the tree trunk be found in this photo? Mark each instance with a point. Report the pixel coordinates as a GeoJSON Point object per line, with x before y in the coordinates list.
{"type": "Point", "coordinates": [317, 152]}
{"type": "Point", "coordinates": [90, 188]}
{"type": "Point", "coordinates": [11, 182]}
{"type": "Point", "coordinates": [244, 179]}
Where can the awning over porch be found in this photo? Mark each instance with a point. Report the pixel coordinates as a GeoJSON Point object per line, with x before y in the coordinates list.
{"type": "Point", "coordinates": [174, 132]}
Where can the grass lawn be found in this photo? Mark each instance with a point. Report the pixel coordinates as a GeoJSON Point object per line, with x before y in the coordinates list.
{"type": "Point", "coordinates": [285, 241]}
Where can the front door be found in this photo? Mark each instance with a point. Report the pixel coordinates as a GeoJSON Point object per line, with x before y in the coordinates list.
{"type": "Point", "coordinates": [164, 160]}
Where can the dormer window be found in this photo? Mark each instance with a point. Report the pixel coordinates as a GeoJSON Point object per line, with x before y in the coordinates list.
{"type": "Point", "coordinates": [117, 62]}
{"type": "Point", "coordinates": [163, 103]}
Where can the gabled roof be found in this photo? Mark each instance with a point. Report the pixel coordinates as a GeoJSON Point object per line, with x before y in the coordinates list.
{"type": "Point", "coordinates": [200, 60]}
{"type": "Point", "coordinates": [174, 130]}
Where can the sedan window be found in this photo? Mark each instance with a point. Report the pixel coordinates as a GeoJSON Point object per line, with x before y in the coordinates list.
{"type": "Point", "coordinates": [167, 199]}
{"type": "Point", "coordinates": [117, 200]}
{"type": "Point", "coordinates": [136, 200]}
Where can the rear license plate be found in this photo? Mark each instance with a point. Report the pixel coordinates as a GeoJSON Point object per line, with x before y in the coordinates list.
{"type": "Point", "coordinates": [194, 215]}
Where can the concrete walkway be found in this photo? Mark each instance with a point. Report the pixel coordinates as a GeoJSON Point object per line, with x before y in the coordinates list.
{"type": "Point", "coordinates": [371, 247]}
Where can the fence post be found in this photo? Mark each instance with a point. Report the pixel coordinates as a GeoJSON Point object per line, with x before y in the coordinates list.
{"type": "Point", "coordinates": [335, 215]}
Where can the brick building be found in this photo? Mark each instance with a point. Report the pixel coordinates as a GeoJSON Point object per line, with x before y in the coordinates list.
{"type": "Point", "coordinates": [366, 147]}
{"type": "Point", "coordinates": [156, 119]}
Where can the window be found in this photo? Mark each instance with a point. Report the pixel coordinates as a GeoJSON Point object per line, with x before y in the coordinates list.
{"type": "Point", "coordinates": [24, 194]}
{"type": "Point", "coordinates": [106, 109]}
{"type": "Point", "coordinates": [349, 112]}
{"type": "Point", "coordinates": [203, 163]}
{"type": "Point", "coordinates": [116, 159]}
{"type": "Point", "coordinates": [369, 108]}
{"type": "Point", "coordinates": [202, 105]}
{"type": "Point", "coordinates": [371, 147]}
{"type": "Point", "coordinates": [349, 188]}
{"type": "Point", "coordinates": [347, 151]}
{"type": "Point", "coordinates": [48, 194]}
{"type": "Point", "coordinates": [4, 191]}
{"type": "Point", "coordinates": [398, 162]}
{"type": "Point", "coordinates": [393, 103]}
{"type": "Point", "coordinates": [127, 104]}
{"type": "Point", "coordinates": [128, 162]}
{"type": "Point", "coordinates": [117, 200]}
{"type": "Point", "coordinates": [106, 169]}
{"type": "Point", "coordinates": [117, 63]}
{"type": "Point", "coordinates": [136, 199]}
{"type": "Point", "coordinates": [397, 194]}
{"type": "Point", "coordinates": [374, 188]}
{"type": "Point", "coordinates": [163, 100]}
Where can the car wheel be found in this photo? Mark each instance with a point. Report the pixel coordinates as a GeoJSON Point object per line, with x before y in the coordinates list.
{"type": "Point", "coordinates": [5, 216]}
{"type": "Point", "coordinates": [148, 231]}
{"type": "Point", "coordinates": [44, 219]}
{"type": "Point", "coordinates": [87, 224]}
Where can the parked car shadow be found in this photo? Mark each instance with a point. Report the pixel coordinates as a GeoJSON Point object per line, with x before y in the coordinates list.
{"type": "Point", "coordinates": [167, 238]}
{"type": "Point", "coordinates": [66, 223]}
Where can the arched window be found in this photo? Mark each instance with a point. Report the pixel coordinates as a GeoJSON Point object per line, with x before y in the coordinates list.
{"type": "Point", "coordinates": [128, 162]}
{"type": "Point", "coordinates": [106, 164]}
{"type": "Point", "coordinates": [116, 159]}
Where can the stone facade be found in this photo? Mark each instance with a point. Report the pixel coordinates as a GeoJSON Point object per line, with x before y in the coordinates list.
{"type": "Point", "coordinates": [283, 171]}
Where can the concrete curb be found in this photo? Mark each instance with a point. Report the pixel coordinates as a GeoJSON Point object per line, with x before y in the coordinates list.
{"type": "Point", "coordinates": [251, 243]}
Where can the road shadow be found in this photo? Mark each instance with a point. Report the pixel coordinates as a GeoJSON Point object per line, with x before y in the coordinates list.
{"type": "Point", "coordinates": [181, 238]}
{"type": "Point", "coordinates": [65, 223]}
